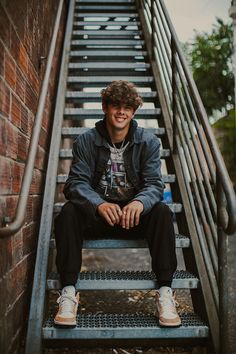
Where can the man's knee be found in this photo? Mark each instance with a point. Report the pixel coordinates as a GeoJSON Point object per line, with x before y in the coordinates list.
{"type": "Point", "coordinates": [162, 209]}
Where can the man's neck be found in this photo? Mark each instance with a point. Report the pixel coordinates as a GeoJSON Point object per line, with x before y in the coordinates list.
{"type": "Point", "coordinates": [117, 136]}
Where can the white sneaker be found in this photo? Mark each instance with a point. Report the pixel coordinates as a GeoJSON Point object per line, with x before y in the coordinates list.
{"type": "Point", "coordinates": [68, 305]}
{"type": "Point", "coordinates": [166, 308]}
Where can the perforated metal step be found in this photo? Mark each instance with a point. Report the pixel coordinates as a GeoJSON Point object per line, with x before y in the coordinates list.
{"type": "Point", "coordinates": [125, 326]}
{"type": "Point", "coordinates": [107, 66]}
{"type": "Point", "coordinates": [166, 178]}
{"type": "Point", "coordinates": [78, 97]}
{"type": "Point", "coordinates": [74, 131]}
{"type": "Point", "coordinates": [107, 42]}
{"type": "Point", "coordinates": [127, 280]}
{"type": "Point", "coordinates": [67, 153]}
{"type": "Point", "coordinates": [181, 241]}
{"type": "Point", "coordinates": [101, 81]}
{"type": "Point", "coordinates": [103, 22]}
{"type": "Point", "coordinates": [107, 53]}
{"type": "Point", "coordinates": [82, 113]}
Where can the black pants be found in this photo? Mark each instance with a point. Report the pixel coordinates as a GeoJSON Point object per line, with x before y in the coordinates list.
{"type": "Point", "coordinates": [156, 226]}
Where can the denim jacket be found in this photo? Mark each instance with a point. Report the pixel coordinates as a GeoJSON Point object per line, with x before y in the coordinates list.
{"type": "Point", "coordinates": [90, 156]}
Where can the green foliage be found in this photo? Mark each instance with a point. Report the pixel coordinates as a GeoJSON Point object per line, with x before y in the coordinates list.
{"type": "Point", "coordinates": [210, 56]}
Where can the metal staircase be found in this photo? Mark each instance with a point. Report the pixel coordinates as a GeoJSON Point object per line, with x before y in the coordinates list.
{"type": "Point", "coordinates": [106, 41]}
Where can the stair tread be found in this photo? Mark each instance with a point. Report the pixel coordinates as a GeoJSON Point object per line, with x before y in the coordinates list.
{"type": "Point", "coordinates": [105, 14]}
{"type": "Point", "coordinates": [104, 79]}
{"type": "Point", "coordinates": [104, 42]}
{"type": "Point", "coordinates": [98, 113]}
{"type": "Point", "coordinates": [74, 131]}
{"type": "Point", "coordinates": [101, 7]}
{"type": "Point", "coordinates": [124, 280]}
{"type": "Point", "coordinates": [83, 94]}
{"type": "Point", "coordinates": [106, 53]}
{"type": "Point", "coordinates": [125, 326]}
{"type": "Point", "coordinates": [67, 153]}
{"type": "Point", "coordinates": [181, 241]}
{"type": "Point", "coordinates": [106, 23]}
{"type": "Point", "coordinates": [107, 32]}
{"type": "Point", "coordinates": [108, 65]}
{"type": "Point", "coordinates": [170, 178]}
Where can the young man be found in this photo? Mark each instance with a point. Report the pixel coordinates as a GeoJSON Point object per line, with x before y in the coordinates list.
{"type": "Point", "coordinates": [115, 188]}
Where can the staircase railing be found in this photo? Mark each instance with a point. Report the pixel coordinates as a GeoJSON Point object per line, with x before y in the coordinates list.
{"type": "Point", "coordinates": [12, 227]}
{"type": "Point", "coordinates": [209, 189]}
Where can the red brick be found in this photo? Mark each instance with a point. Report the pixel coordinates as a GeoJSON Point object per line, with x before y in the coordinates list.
{"type": "Point", "coordinates": [1, 59]}
{"type": "Point", "coordinates": [30, 233]}
{"type": "Point", "coordinates": [15, 111]}
{"type": "Point", "coordinates": [11, 205]}
{"type": "Point", "coordinates": [10, 71]}
{"type": "Point", "coordinates": [6, 178]}
{"type": "Point", "coordinates": [17, 172]}
{"type": "Point", "coordinates": [23, 146]}
{"type": "Point", "coordinates": [23, 59]}
{"type": "Point", "coordinates": [2, 136]}
{"type": "Point", "coordinates": [4, 99]}
{"type": "Point", "coordinates": [14, 44]}
{"type": "Point", "coordinates": [24, 120]}
{"type": "Point", "coordinates": [43, 138]}
{"type": "Point", "coordinates": [37, 207]}
{"type": "Point", "coordinates": [31, 99]}
{"type": "Point", "coordinates": [4, 27]}
{"type": "Point", "coordinates": [33, 77]}
{"type": "Point", "coordinates": [37, 182]}
{"type": "Point", "coordinates": [17, 248]}
{"type": "Point", "coordinates": [20, 84]}
{"type": "Point", "coordinates": [29, 210]}
{"type": "Point", "coordinates": [40, 158]}
{"type": "Point", "coordinates": [5, 256]}
{"type": "Point", "coordinates": [12, 141]}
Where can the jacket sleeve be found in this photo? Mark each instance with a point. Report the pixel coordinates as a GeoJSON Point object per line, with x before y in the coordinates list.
{"type": "Point", "coordinates": [152, 186]}
{"type": "Point", "coordinates": [78, 188]}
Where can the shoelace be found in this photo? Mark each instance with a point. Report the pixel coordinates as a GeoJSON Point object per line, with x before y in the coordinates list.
{"type": "Point", "coordinates": [168, 304]}
{"type": "Point", "coordinates": [67, 305]}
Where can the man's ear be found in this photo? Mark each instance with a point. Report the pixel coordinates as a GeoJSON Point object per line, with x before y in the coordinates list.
{"type": "Point", "coordinates": [104, 108]}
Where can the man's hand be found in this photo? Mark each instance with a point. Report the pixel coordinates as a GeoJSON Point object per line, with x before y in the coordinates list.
{"type": "Point", "coordinates": [131, 214]}
{"type": "Point", "coordinates": [110, 212]}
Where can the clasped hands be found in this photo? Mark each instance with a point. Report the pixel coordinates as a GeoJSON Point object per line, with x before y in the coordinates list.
{"type": "Point", "coordinates": [127, 217]}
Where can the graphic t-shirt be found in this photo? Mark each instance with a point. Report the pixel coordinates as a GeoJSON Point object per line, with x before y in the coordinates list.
{"type": "Point", "coordinates": [114, 184]}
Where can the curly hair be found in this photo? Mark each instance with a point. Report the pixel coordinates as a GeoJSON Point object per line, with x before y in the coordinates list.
{"type": "Point", "coordinates": [123, 93]}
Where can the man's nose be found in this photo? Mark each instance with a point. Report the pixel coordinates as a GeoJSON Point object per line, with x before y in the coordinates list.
{"type": "Point", "coordinates": [121, 110]}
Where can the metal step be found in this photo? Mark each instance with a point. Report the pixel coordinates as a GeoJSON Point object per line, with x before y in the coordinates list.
{"type": "Point", "coordinates": [181, 241]}
{"type": "Point", "coordinates": [107, 53]}
{"type": "Point", "coordinates": [67, 153]}
{"type": "Point", "coordinates": [107, 42]}
{"type": "Point", "coordinates": [106, 23]}
{"type": "Point", "coordinates": [110, 8]}
{"type": "Point", "coordinates": [103, 80]}
{"type": "Point", "coordinates": [108, 65]}
{"type": "Point", "coordinates": [175, 207]}
{"type": "Point", "coordinates": [83, 113]}
{"type": "Point", "coordinates": [72, 132]}
{"type": "Point", "coordinates": [125, 327]}
{"type": "Point", "coordinates": [124, 280]}
{"type": "Point", "coordinates": [81, 96]}
{"type": "Point", "coordinates": [105, 14]}
{"type": "Point", "coordinates": [166, 178]}
{"type": "Point", "coordinates": [106, 1]}
{"type": "Point", "coordinates": [109, 33]}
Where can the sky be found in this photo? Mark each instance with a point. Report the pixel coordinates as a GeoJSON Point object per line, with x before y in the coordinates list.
{"type": "Point", "coordinates": [187, 15]}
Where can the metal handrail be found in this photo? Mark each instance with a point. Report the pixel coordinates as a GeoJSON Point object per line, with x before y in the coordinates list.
{"type": "Point", "coordinates": [15, 226]}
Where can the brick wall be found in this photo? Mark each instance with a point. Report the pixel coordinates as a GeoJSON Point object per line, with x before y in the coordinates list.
{"type": "Point", "coordinates": [25, 32]}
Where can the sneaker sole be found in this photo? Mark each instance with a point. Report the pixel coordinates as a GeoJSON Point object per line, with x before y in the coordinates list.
{"type": "Point", "coordinates": [163, 324]}
{"type": "Point", "coordinates": [65, 325]}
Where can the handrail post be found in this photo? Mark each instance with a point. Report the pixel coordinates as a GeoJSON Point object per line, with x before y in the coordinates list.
{"type": "Point", "coordinates": [223, 270]}
{"type": "Point", "coordinates": [152, 27]}
{"type": "Point", "coordinates": [174, 105]}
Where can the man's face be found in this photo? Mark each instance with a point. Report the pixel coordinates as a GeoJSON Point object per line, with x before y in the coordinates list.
{"type": "Point", "coordinates": [118, 116]}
